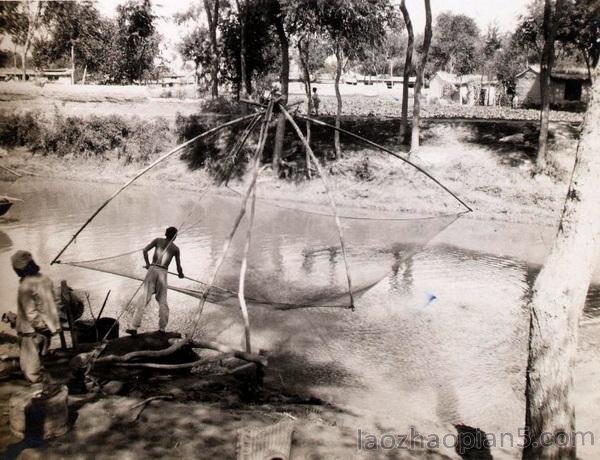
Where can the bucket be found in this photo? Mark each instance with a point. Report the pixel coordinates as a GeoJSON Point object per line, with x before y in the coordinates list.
{"type": "Point", "coordinates": [86, 330]}
{"type": "Point", "coordinates": [104, 325]}
{"type": "Point", "coordinates": [35, 416]}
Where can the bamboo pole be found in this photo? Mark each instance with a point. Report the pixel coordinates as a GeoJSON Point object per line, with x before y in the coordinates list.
{"type": "Point", "coordinates": [10, 198]}
{"type": "Point", "coordinates": [241, 297]}
{"type": "Point", "coordinates": [144, 171]}
{"type": "Point", "coordinates": [323, 175]}
{"type": "Point", "coordinates": [240, 145]}
{"type": "Point", "coordinates": [11, 171]}
{"type": "Point", "coordinates": [103, 305]}
{"type": "Point", "coordinates": [236, 224]}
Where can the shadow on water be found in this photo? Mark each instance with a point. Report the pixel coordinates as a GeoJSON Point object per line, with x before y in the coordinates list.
{"type": "Point", "coordinates": [5, 242]}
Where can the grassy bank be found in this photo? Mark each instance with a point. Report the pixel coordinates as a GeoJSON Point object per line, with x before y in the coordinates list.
{"type": "Point", "coordinates": [487, 163]}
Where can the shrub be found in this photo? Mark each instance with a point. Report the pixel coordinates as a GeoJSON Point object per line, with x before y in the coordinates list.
{"type": "Point", "coordinates": [91, 136]}
{"type": "Point", "coordinates": [363, 170]}
{"type": "Point", "coordinates": [221, 105]}
{"type": "Point", "coordinates": [147, 138]}
{"type": "Point", "coordinates": [19, 129]}
{"type": "Point", "coordinates": [214, 151]}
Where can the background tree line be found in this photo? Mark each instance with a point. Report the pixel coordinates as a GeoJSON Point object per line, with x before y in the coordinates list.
{"type": "Point", "coordinates": [237, 41]}
{"type": "Point", "coordinates": [75, 35]}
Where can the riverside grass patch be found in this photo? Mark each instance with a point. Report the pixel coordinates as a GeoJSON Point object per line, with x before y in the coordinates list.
{"type": "Point", "coordinates": [111, 136]}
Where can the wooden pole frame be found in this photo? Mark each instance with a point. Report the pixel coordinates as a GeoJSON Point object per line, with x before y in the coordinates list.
{"type": "Point", "coordinates": [236, 224]}
{"type": "Point", "coordinates": [144, 171]}
{"type": "Point", "coordinates": [379, 147]}
{"type": "Point", "coordinates": [241, 297]}
{"type": "Point", "coordinates": [240, 145]}
{"type": "Point", "coordinates": [324, 178]}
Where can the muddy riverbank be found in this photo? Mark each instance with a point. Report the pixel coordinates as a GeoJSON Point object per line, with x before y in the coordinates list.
{"type": "Point", "coordinates": [458, 359]}
{"type": "Point", "coordinates": [439, 342]}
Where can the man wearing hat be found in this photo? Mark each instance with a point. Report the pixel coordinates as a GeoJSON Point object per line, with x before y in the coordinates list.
{"type": "Point", "coordinates": [37, 314]}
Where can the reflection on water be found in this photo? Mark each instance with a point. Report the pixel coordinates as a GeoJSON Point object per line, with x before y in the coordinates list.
{"type": "Point", "coordinates": [5, 242]}
{"type": "Point", "coordinates": [443, 335]}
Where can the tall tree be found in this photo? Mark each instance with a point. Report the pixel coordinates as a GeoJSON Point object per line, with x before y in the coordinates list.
{"type": "Point", "coordinates": [33, 12]}
{"type": "Point", "coordinates": [352, 27]}
{"type": "Point", "coordinates": [260, 56]}
{"type": "Point", "coordinates": [492, 44]}
{"type": "Point", "coordinates": [278, 18]}
{"type": "Point", "coordinates": [581, 29]}
{"type": "Point", "coordinates": [457, 44]}
{"type": "Point", "coordinates": [136, 41]}
{"type": "Point", "coordinates": [407, 70]}
{"type": "Point", "coordinates": [76, 34]}
{"type": "Point", "coordinates": [557, 303]}
{"type": "Point", "coordinates": [414, 144]}
{"type": "Point", "coordinates": [312, 53]}
{"type": "Point", "coordinates": [242, 11]}
{"type": "Point", "coordinates": [578, 28]}
{"type": "Point", "coordinates": [509, 61]}
{"type": "Point", "coordinates": [212, 14]}
{"type": "Point", "coordinates": [15, 24]}
{"type": "Point", "coordinates": [195, 47]}
{"type": "Point", "coordinates": [547, 61]}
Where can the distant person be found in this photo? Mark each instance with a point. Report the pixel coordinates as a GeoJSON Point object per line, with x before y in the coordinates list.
{"type": "Point", "coordinates": [316, 101]}
{"type": "Point", "coordinates": [37, 315]}
{"type": "Point", "coordinates": [155, 282]}
{"type": "Point", "coordinates": [515, 102]}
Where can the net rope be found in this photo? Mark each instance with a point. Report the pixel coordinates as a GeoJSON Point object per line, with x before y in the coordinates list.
{"type": "Point", "coordinates": [310, 274]}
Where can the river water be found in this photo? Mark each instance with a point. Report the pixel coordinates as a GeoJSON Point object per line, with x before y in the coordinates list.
{"type": "Point", "coordinates": [440, 339]}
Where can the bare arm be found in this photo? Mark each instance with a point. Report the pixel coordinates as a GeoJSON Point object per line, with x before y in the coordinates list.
{"type": "Point", "coordinates": [178, 262]}
{"type": "Point", "coordinates": [147, 249]}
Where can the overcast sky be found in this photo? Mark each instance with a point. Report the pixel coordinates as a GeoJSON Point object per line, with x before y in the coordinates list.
{"type": "Point", "coordinates": [503, 12]}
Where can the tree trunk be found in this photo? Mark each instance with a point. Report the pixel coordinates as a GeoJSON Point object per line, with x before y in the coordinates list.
{"type": "Point", "coordinates": [284, 78]}
{"type": "Point", "coordinates": [419, 83]}
{"type": "Point", "coordinates": [84, 75]}
{"type": "Point", "coordinates": [547, 61]}
{"type": "Point", "coordinates": [241, 5]}
{"type": "Point", "coordinates": [72, 64]}
{"type": "Point", "coordinates": [339, 56]}
{"type": "Point", "coordinates": [304, 60]}
{"type": "Point", "coordinates": [407, 69]}
{"type": "Point", "coordinates": [557, 303]}
{"type": "Point", "coordinates": [24, 59]}
{"type": "Point", "coordinates": [213, 22]}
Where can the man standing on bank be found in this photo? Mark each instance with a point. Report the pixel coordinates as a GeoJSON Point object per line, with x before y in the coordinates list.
{"type": "Point", "coordinates": [37, 315]}
{"type": "Point", "coordinates": [155, 282]}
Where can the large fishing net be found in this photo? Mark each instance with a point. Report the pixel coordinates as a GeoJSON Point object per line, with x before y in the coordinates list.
{"type": "Point", "coordinates": [298, 256]}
